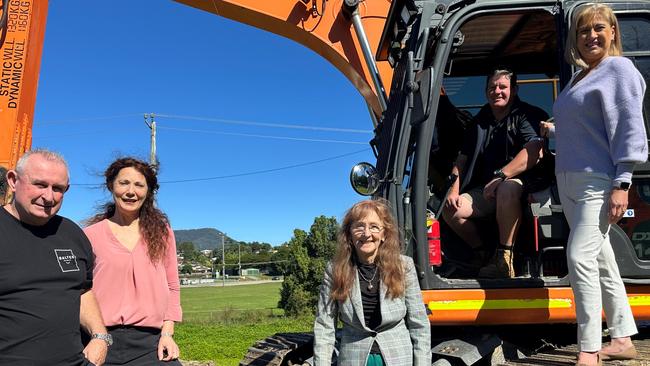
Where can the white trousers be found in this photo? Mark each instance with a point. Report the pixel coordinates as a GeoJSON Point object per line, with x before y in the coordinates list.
{"type": "Point", "coordinates": [593, 272]}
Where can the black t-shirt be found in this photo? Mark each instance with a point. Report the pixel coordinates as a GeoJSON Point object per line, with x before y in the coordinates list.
{"type": "Point", "coordinates": [43, 272]}
{"type": "Point", "coordinates": [501, 140]}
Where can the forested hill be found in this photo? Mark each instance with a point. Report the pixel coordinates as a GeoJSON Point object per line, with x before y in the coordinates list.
{"type": "Point", "coordinates": [207, 238]}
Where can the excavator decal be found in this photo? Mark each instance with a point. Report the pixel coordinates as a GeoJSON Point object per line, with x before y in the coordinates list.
{"type": "Point", "coordinates": [22, 27]}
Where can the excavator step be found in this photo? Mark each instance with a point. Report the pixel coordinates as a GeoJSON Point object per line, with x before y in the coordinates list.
{"type": "Point", "coordinates": [566, 356]}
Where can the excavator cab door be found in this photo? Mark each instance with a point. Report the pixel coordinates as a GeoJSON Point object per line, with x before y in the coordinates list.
{"type": "Point", "coordinates": [466, 41]}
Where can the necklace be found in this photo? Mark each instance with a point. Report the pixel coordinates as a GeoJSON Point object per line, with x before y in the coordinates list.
{"type": "Point", "coordinates": [370, 286]}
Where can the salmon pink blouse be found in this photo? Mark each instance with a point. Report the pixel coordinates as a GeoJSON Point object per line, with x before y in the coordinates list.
{"type": "Point", "coordinates": [130, 289]}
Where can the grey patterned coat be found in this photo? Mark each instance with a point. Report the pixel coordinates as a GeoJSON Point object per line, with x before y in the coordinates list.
{"type": "Point", "coordinates": [404, 335]}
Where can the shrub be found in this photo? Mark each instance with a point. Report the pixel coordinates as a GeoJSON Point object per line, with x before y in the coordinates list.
{"type": "Point", "coordinates": [310, 253]}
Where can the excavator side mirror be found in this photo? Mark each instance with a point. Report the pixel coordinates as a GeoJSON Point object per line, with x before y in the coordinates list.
{"type": "Point", "coordinates": [364, 179]}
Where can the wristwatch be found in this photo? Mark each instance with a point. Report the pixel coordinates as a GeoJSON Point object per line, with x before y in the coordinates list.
{"type": "Point", "coordinates": [623, 186]}
{"type": "Point", "coordinates": [499, 174]}
{"type": "Point", "coordinates": [104, 337]}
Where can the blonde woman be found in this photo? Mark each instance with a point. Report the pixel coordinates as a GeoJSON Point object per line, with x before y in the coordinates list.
{"type": "Point", "coordinates": [602, 104]}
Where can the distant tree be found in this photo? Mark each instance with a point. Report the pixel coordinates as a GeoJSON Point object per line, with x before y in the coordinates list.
{"type": "Point", "coordinates": [203, 260]}
{"type": "Point", "coordinates": [257, 247]}
{"type": "Point", "coordinates": [310, 253]}
{"type": "Point", "coordinates": [187, 269]}
{"type": "Point", "coordinates": [191, 254]}
{"type": "Point", "coordinates": [294, 299]}
{"type": "Point", "coordinates": [188, 250]}
{"type": "Point", "coordinates": [322, 238]}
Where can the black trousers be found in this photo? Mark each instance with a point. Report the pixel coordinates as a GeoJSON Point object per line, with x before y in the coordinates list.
{"type": "Point", "coordinates": [135, 346]}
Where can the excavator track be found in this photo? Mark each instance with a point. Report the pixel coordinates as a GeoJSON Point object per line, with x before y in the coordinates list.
{"type": "Point", "coordinates": [552, 345]}
{"type": "Point", "coordinates": [279, 350]}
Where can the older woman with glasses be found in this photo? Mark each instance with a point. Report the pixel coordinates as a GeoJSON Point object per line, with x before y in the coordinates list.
{"type": "Point", "coordinates": [374, 292]}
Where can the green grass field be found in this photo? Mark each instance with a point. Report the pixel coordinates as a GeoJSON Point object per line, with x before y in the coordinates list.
{"type": "Point", "coordinates": [220, 323]}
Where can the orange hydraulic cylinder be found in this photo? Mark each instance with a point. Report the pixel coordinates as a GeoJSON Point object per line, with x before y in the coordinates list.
{"type": "Point", "coordinates": [326, 32]}
{"type": "Point", "coordinates": [19, 69]}
{"type": "Point", "coordinates": [516, 306]}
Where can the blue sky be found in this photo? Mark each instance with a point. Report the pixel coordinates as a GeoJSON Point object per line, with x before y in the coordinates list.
{"type": "Point", "coordinates": [229, 86]}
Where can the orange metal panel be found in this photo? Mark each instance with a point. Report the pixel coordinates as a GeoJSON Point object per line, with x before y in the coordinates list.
{"type": "Point", "coordinates": [516, 306]}
{"type": "Point", "coordinates": [19, 69]}
{"type": "Point", "coordinates": [329, 34]}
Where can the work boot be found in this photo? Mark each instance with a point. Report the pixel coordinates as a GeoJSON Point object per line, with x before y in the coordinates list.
{"type": "Point", "coordinates": [500, 266]}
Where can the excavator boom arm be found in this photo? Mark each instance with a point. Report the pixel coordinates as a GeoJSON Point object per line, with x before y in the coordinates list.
{"type": "Point", "coordinates": [320, 25]}
{"type": "Point", "coordinates": [22, 27]}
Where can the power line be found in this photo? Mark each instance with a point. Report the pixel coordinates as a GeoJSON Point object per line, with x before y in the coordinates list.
{"type": "Point", "coordinates": [266, 170]}
{"type": "Point", "coordinates": [86, 119]}
{"type": "Point", "coordinates": [263, 124]}
{"type": "Point", "coordinates": [211, 119]}
{"type": "Point", "coordinates": [262, 136]}
{"type": "Point", "coordinates": [252, 263]}
{"type": "Point", "coordinates": [104, 132]}
{"type": "Point", "coordinates": [242, 174]}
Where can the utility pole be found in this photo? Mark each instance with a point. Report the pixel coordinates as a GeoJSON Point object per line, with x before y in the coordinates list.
{"type": "Point", "coordinates": [223, 256]}
{"type": "Point", "coordinates": [239, 249]}
{"type": "Point", "coordinates": [152, 126]}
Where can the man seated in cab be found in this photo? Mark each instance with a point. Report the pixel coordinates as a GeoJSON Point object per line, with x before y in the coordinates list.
{"type": "Point", "coordinates": [494, 170]}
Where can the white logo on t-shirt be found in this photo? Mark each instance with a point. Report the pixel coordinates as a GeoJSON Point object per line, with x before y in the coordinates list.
{"type": "Point", "coordinates": [67, 260]}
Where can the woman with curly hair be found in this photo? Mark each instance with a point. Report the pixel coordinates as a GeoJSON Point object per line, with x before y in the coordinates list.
{"type": "Point", "coordinates": [136, 274]}
{"type": "Point", "coordinates": [374, 292]}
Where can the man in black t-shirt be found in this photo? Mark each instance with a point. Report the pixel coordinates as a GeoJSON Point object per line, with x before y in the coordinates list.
{"type": "Point", "coordinates": [494, 170]}
{"type": "Point", "coordinates": [45, 272]}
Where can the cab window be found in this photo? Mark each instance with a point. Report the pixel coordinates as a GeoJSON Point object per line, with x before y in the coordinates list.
{"type": "Point", "coordinates": [636, 46]}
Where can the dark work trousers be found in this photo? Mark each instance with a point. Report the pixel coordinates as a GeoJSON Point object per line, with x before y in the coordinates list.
{"type": "Point", "coordinates": [135, 346]}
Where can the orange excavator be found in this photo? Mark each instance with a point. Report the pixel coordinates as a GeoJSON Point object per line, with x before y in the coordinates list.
{"type": "Point", "coordinates": [418, 64]}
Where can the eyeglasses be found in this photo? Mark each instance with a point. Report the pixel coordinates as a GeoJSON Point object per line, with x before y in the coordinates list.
{"type": "Point", "coordinates": [359, 228]}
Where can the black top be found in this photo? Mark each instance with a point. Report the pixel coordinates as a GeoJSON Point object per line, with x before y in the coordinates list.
{"type": "Point", "coordinates": [498, 142]}
{"type": "Point", "coordinates": [369, 285]}
{"type": "Point", "coordinates": [43, 271]}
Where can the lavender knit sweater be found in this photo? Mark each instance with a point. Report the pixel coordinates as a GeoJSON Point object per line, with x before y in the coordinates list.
{"type": "Point", "coordinates": [599, 122]}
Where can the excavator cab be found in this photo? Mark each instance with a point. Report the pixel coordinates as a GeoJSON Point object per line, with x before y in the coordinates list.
{"type": "Point", "coordinates": [441, 52]}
